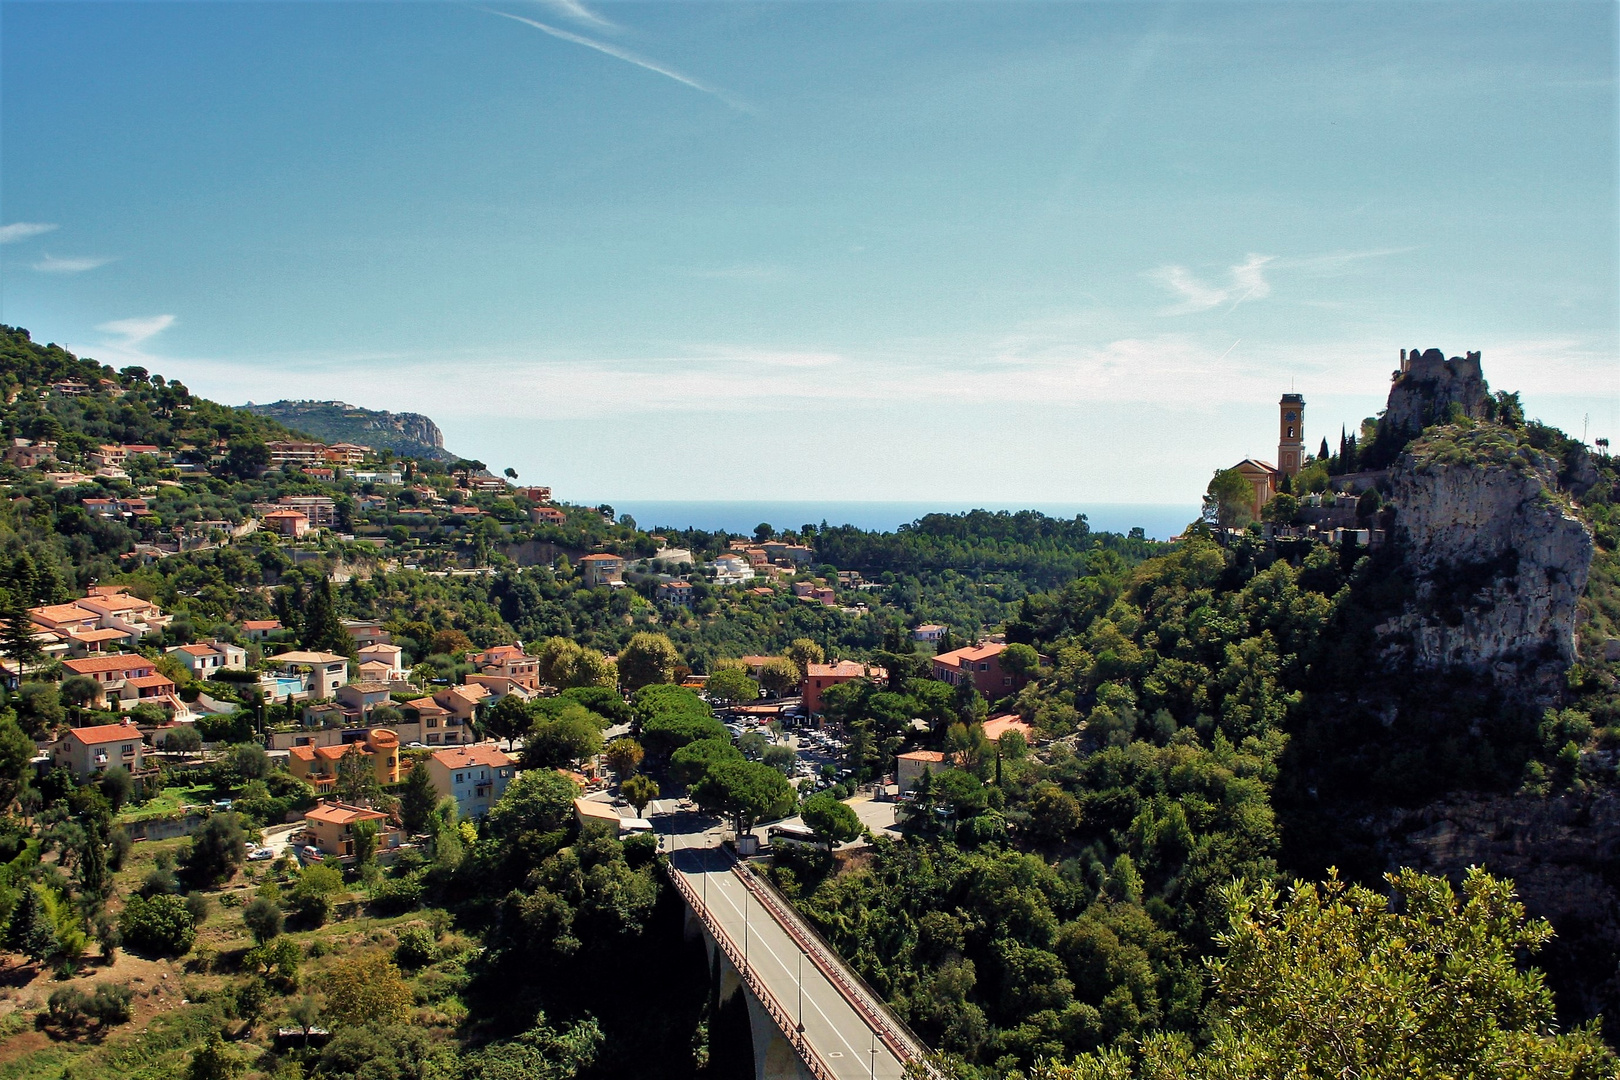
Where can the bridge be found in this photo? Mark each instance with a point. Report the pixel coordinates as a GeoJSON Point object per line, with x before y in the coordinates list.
{"type": "Point", "coordinates": [811, 1017]}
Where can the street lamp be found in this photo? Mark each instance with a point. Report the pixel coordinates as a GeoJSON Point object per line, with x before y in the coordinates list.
{"type": "Point", "coordinates": [745, 928]}
{"type": "Point", "coordinates": [799, 979]}
{"type": "Point", "coordinates": [873, 1073]}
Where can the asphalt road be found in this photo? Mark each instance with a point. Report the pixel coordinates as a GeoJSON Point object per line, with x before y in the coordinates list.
{"type": "Point", "coordinates": [843, 1039]}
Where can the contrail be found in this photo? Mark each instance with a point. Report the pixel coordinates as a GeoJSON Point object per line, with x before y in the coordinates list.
{"type": "Point", "coordinates": [621, 54]}
{"type": "Point", "coordinates": [1229, 348]}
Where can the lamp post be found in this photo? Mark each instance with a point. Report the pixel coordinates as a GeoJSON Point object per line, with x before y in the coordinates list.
{"type": "Point", "coordinates": [745, 928]}
{"type": "Point", "coordinates": [873, 1073]}
{"type": "Point", "coordinates": [799, 979]}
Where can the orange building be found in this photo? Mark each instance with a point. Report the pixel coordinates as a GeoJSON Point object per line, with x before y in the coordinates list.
{"type": "Point", "coordinates": [822, 676]}
{"type": "Point", "coordinates": [318, 765]}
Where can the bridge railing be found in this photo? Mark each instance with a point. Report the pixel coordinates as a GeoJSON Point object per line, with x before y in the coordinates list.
{"type": "Point", "coordinates": [899, 1038]}
{"type": "Point", "coordinates": [790, 1030]}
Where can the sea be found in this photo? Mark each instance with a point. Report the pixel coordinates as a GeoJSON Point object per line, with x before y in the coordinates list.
{"type": "Point", "coordinates": [1159, 521]}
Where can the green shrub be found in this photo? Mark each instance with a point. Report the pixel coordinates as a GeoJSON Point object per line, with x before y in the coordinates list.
{"type": "Point", "coordinates": [111, 1004]}
{"type": "Point", "coordinates": [158, 925]}
{"type": "Point", "coordinates": [417, 947]}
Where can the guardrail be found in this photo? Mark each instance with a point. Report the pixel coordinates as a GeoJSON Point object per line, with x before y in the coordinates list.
{"type": "Point", "coordinates": [790, 1030]}
{"type": "Point", "coordinates": [900, 1039]}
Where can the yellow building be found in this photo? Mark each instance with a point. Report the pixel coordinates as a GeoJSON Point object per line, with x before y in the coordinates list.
{"type": "Point", "coordinates": [1263, 476]}
{"type": "Point", "coordinates": [318, 765]}
{"type": "Point", "coordinates": [331, 827]}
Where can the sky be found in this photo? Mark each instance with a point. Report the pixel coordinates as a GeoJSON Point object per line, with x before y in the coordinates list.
{"type": "Point", "coordinates": [840, 251]}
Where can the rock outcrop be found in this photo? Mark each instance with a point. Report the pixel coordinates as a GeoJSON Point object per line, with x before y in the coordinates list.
{"type": "Point", "coordinates": [1428, 385]}
{"type": "Point", "coordinates": [1497, 560]}
{"type": "Point", "coordinates": [406, 434]}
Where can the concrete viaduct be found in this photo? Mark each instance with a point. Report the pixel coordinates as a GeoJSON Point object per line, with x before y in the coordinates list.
{"type": "Point", "coordinates": [811, 1017]}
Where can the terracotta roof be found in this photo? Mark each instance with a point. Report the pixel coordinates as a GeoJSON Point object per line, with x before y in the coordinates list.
{"type": "Point", "coordinates": [98, 635]}
{"type": "Point", "coordinates": [285, 515]}
{"type": "Point", "coordinates": [297, 657]}
{"type": "Point", "coordinates": [90, 665]}
{"type": "Point", "coordinates": [460, 757]}
{"type": "Point", "coordinates": [846, 669]}
{"type": "Point", "coordinates": [343, 814]}
{"type": "Point", "coordinates": [921, 755]}
{"type": "Point", "coordinates": [370, 687]}
{"type": "Point", "coordinates": [1265, 466]}
{"type": "Point", "coordinates": [425, 705]}
{"type": "Point", "coordinates": [199, 650]}
{"type": "Point", "coordinates": [105, 733]}
{"type": "Point", "coordinates": [302, 753]}
{"type": "Point", "coordinates": [141, 682]}
{"type": "Point", "coordinates": [602, 557]}
{"type": "Point", "coordinates": [972, 653]}
{"type": "Point", "coordinates": [262, 624]}
{"type": "Point", "coordinates": [62, 612]}
{"type": "Point", "coordinates": [338, 752]}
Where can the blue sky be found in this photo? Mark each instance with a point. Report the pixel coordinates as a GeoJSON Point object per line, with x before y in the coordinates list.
{"type": "Point", "coordinates": [997, 251]}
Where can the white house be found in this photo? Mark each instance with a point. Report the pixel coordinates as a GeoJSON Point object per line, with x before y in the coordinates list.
{"type": "Point", "coordinates": [205, 658]}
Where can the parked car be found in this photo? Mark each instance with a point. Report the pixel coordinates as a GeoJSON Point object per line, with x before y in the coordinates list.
{"type": "Point", "coordinates": [261, 854]}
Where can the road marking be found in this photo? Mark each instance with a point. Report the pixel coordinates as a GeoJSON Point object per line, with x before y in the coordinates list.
{"type": "Point", "coordinates": [824, 980]}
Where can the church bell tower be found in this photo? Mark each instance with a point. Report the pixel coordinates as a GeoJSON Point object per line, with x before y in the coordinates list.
{"type": "Point", "coordinates": [1291, 434]}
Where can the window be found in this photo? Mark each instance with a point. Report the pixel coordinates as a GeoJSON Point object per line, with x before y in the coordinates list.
{"type": "Point", "coordinates": [1006, 680]}
{"type": "Point", "coordinates": [984, 665]}
{"type": "Point", "coordinates": [458, 778]}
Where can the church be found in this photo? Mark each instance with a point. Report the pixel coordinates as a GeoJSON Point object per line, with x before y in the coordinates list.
{"type": "Point", "coordinates": [1267, 478]}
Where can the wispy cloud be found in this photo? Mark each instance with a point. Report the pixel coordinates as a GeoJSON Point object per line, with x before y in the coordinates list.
{"type": "Point", "coordinates": [627, 56]}
{"type": "Point", "coordinates": [573, 9]}
{"type": "Point", "coordinates": [22, 230]}
{"type": "Point", "coordinates": [1245, 281]}
{"type": "Point", "coordinates": [740, 272]}
{"type": "Point", "coordinates": [132, 332]}
{"type": "Point", "coordinates": [50, 264]}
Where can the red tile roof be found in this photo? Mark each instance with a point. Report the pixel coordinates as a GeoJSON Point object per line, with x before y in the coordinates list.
{"type": "Point", "coordinates": [91, 665]}
{"type": "Point", "coordinates": [105, 733]}
{"type": "Point", "coordinates": [972, 653]}
{"type": "Point", "coordinates": [460, 757]}
{"type": "Point", "coordinates": [343, 814]}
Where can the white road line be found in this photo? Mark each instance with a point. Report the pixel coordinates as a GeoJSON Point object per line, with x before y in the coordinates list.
{"type": "Point", "coordinates": [836, 1030]}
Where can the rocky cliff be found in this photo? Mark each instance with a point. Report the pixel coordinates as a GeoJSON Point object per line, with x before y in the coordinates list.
{"type": "Point", "coordinates": [406, 434]}
{"type": "Point", "coordinates": [1561, 852]}
{"type": "Point", "coordinates": [1498, 561]}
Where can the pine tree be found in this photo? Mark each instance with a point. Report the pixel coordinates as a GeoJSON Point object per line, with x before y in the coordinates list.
{"type": "Point", "coordinates": [30, 931]}
{"type": "Point", "coordinates": [16, 628]}
{"type": "Point", "coordinates": [323, 630]}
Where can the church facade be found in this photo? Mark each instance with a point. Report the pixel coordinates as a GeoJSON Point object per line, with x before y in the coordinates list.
{"type": "Point", "coordinates": [1263, 476]}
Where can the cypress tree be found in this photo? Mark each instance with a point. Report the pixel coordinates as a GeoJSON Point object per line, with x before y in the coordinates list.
{"type": "Point", "coordinates": [323, 630]}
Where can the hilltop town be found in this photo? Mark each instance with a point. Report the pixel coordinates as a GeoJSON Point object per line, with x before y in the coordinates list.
{"type": "Point", "coordinates": [363, 749]}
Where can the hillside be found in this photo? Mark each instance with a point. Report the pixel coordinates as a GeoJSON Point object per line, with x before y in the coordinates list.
{"type": "Point", "coordinates": [403, 434]}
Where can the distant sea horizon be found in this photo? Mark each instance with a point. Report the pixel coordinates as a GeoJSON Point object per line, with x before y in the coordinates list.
{"type": "Point", "coordinates": [1160, 521]}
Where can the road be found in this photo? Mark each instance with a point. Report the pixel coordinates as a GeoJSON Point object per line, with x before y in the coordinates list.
{"type": "Point", "coordinates": [838, 1033]}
